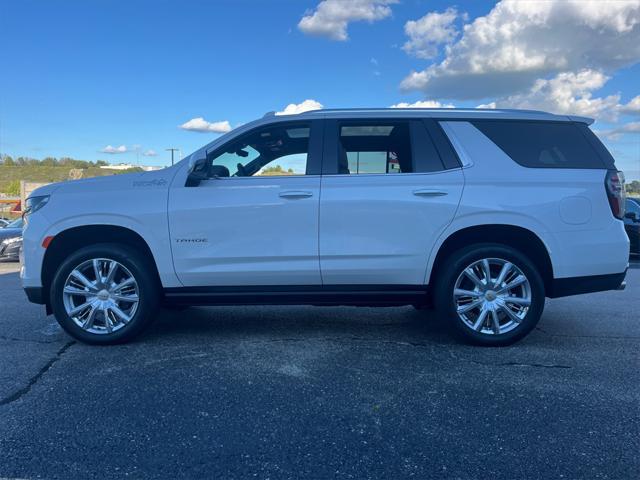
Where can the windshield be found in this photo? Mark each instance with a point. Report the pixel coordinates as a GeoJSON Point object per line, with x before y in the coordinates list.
{"type": "Point", "coordinates": [17, 223]}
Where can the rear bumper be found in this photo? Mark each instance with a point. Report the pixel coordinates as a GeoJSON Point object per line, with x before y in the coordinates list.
{"type": "Point", "coordinates": [563, 287]}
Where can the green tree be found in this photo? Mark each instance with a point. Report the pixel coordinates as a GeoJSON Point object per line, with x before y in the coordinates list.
{"type": "Point", "coordinates": [8, 161]}
{"type": "Point", "coordinates": [276, 170]}
{"type": "Point", "coordinates": [13, 188]}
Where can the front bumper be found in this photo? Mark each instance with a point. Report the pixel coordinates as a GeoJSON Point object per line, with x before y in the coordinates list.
{"type": "Point", "coordinates": [35, 295]}
{"type": "Point", "coordinates": [10, 251]}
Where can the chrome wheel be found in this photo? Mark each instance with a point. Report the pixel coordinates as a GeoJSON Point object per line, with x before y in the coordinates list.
{"type": "Point", "coordinates": [101, 295]}
{"type": "Point", "coordinates": [492, 296]}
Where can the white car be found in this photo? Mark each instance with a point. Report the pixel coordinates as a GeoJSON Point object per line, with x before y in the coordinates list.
{"type": "Point", "coordinates": [479, 213]}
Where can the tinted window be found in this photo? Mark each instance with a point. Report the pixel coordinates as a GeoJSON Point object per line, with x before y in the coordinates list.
{"type": "Point", "coordinates": [632, 206]}
{"type": "Point", "coordinates": [17, 223]}
{"type": "Point", "coordinates": [374, 148]}
{"type": "Point", "coordinates": [447, 155]}
{"type": "Point", "coordinates": [273, 150]}
{"type": "Point", "coordinates": [595, 142]}
{"type": "Point", "coordinates": [542, 144]}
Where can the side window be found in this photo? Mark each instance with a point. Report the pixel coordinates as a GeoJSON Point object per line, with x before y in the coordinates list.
{"type": "Point", "coordinates": [268, 151]}
{"type": "Point", "coordinates": [383, 147]}
{"type": "Point", "coordinates": [542, 144]}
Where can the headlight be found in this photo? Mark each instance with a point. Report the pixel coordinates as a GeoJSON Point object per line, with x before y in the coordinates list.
{"type": "Point", "coordinates": [9, 241]}
{"type": "Point", "coordinates": [34, 204]}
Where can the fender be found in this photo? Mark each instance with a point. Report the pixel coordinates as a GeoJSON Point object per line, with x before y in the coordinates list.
{"type": "Point", "coordinates": [490, 218]}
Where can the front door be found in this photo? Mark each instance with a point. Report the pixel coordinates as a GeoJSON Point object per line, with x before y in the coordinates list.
{"type": "Point", "coordinates": [255, 220]}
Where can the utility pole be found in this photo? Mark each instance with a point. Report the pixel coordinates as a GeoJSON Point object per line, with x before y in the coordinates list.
{"type": "Point", "coordinates": [172, 150]}
{"type": "Point", "coordinates": [137, 150]}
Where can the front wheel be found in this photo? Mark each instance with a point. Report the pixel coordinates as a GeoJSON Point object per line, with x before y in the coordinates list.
{"type": "Point", "coordinates": [490, 294]}
{"type": "Point", "coordinates": [104, 294]}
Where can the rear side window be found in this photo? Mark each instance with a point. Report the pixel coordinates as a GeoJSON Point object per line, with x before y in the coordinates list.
{"type": "Point", "coordinates": [375, 148]}
{"type": "Point", "coordinates": [385, 146]}
{"type": "Point", "coordinates": [543, 144]}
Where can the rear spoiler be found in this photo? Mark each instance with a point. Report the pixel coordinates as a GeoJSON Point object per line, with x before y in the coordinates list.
{"type": "Point", "coordinates": [576, 118]}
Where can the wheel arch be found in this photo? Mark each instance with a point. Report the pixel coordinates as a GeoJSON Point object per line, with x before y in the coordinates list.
{"type": "Point", "coordinates": [520, 238]}
{"type": "Point", "coordinates": [74, 238]}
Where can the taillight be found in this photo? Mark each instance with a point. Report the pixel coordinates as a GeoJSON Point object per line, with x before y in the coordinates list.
{"type": "Point", "coordinates": [614, 185]}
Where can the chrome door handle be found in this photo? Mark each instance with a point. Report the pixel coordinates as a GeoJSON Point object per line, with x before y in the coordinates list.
{"type": "Point", "coordinates": [427, 192]}
{"type": "Point", "coordinates": [296, 194]}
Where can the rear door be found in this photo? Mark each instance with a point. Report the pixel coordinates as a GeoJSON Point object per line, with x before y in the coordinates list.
{"type": "Point", "coordinates": [389, 188]}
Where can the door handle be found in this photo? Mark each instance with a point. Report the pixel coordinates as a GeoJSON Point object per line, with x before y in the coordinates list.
{"type": "Point", "coordinates": [428, 192]}
{"type": "Point", "coordinates": [296, 194]}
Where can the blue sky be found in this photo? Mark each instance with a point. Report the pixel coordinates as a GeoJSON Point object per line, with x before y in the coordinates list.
{"type": "Point", "coordinates": [78, 77]}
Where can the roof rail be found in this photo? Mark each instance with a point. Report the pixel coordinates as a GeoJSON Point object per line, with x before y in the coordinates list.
{"type": "Point", "coordinates": [367, 109]}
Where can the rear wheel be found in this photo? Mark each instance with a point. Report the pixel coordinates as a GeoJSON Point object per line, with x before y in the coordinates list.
{"type": "Point", "coordinates": [104, 294]}
{"type": "Point", "coordinates": [490, 294]}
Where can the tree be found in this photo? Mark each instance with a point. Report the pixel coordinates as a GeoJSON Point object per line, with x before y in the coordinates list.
{"type": "Point", "coordinates": [8, 161]}
{"type": "Point", "coordinates": [75, 173]}
{"type": "Point", "coordinates": [13, 188]}
{"type": "Point", "coordinates": [276, 170]}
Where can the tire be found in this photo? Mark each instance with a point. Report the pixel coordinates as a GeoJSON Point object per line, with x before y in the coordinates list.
{"type": "Point", "coordinates": [129, 306]}
{"type": "Point", "coordinates": [460, 300]}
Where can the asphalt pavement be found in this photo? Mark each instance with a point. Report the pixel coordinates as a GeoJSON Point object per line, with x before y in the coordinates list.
{"type": "Point", "coordinates": [312, 392]}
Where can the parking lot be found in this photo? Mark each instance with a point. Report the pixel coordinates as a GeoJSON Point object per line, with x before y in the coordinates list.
{"type": "Point", "coordinates": [306, 392]}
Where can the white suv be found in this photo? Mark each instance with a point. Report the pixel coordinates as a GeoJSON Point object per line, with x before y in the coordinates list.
{"type": "Point", "coordinates": [479, 213]}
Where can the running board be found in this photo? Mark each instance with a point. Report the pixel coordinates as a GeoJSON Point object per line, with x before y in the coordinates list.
{"type": "Point", "coordinates": [360, 295]}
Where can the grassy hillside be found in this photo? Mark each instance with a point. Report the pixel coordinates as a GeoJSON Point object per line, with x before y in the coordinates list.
{"type": "Point", "coordinates": [9, 175]}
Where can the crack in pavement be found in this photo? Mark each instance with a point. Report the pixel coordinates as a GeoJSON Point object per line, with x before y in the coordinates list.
{"type": "Point", "coordinates": [24, 390]}
{"type": "Point", "coordinates": [521, 364]}
{"type": "Point", "coordinates": [426, 345]}
{"type": "Point", "coordinates": [608, 337]}
{"type": "Point", "coordinates": [26, 340]}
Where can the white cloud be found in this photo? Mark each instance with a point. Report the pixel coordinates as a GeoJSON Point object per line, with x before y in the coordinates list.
{"type": "Point", "coordinates": [568, 93]}
{"type": "Point", "coordinates": [199, 124]}
{"type": "Point", "coordinates": [150, 153]}
{"type": "Point", "coordinates": [617, 132]}
{"type": "Point", "coordinates": [518, 42]}
{"type": "Point", "coordinates": [331, 17]}
{"type": "Point", "coordinates": [571, 93]}
{"type": "Point", "coordinates": [295, 108]}
{"type": "Point", "coordinates": [423, 104]}
{"type": "Point", "coordinates": [429, 32]}
{"type": "Point", "coordinates": [113, 150]}
{"type": "Point", "coordinates": [633, 107]}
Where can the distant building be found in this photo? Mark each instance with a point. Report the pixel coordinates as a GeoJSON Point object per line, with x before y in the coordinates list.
{"type": "Point", "coordinates": [127, 166]}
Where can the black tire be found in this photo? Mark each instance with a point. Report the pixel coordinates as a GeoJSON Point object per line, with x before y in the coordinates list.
{"type": "Point", "coordinates": [148, 292]}
{"type": "Point", "coordinates": [454, 265]}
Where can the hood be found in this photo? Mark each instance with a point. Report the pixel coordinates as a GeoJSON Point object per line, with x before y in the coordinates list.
{"type": "Point", "coordinates": [156, 178]}
{"type": "Point", "coordinates": [10, 233]}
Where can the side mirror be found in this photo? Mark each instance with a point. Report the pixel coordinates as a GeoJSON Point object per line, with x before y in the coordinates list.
{"type": "Point", "coordinates": [198, 172]}
{"type": "Point", "coordinates": [632, 216]}
{"type": "Point", "coordinates": [218, 171]}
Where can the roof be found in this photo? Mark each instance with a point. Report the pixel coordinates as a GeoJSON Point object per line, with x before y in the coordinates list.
{"type": "Point", "coordinates": [440, 113]}
{"type": "Point", "coordinates": [364, 113]}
